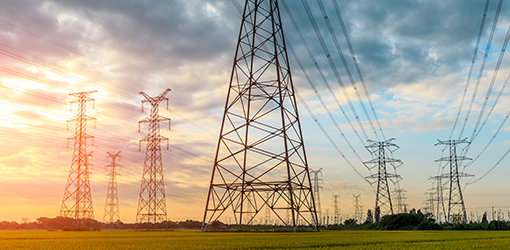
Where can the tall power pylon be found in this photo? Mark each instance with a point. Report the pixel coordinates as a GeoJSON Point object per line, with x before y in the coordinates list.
{"type": "Point", "coordinates": [439, 209]}
{"type": "Point", "coordinates": [317, 187]}
{"type": "Point", "coordinates": [400, 199]}
{"type": "Point", "coordinates": [336, 209]}
{"type": "Point", "coordinates": [111, 209]}
{"type": "Point", "coordinates": [456, 205]}
{"type": "Point", "coordinates": [383, 195]}
{"type": "Point", "coordinates": [429, 201]}
{"type": "Point", "coordinates": [260, 136]}
{"type": "Point", "coordinates": [77, 201]}
{"type": "Point", "coordinates": [358, 211]}
{"type": "Point", "coordinates": [151, 202]}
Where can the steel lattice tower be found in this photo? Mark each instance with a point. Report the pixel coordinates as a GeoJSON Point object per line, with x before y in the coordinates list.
{"type": "Point", "coordinates": [429, 201]}
{"type": "Point", "coordinates": [358, 213]}
{"type": "Point", "coordinates": [316, 193]}
{"type": "Point", "coordinates": [400, 199]}
{"type": "Point", "coordinates": [336, 209]}
{"type": "Point", "coordinates": [77, 201]}
{"type": "Point", "coordinates": [151, 202]}
{"type": "Point", "coordinates": [439, 198]}
{"type": "Point", "coordinates": [111, 209]}
{"type": "Point", "coordinates": [383, 195]}
{"type": "Point", "coordinates": [260, 136]}
{"type": "Point", "coordinates": [455, 198]}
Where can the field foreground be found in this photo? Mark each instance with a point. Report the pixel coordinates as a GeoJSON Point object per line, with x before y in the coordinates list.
{"type": "Point", "coordinates": [309, 240]}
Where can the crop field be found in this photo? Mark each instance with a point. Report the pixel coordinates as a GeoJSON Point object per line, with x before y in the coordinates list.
{"type": "Point", "coordinates": [231, 240]}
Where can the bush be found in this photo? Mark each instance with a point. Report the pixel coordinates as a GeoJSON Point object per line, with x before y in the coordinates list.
{"type": "Point", "coordinates": [350, 222]}
{"type": "Point", "coordinates": [429, 225]}
{"type": "Point", "coordinates": [498, 225]}
{"type": "Point", "coordinates": [400, 221]}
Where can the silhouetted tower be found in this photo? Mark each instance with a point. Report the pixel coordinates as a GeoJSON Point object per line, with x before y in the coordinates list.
{"type": "Point", "coordinates": [439, 209]}
{"type": "Point", "coordinates": [383, 194]}
{"type": "Point", "coordinates": [111, 209]}
{"type": "Point", "coordinates": [429, 201]}
{"type": "Point", "coordinates": [317, 187]}
{"type": "Point", "coordinates": [358, 210]}
{"type": "Point", "coordinates": [267, 216]}
{"type": "Point", "coordinates": [336, 209]}
{"type": "Point", "coordinates": [400, 200]}
{"type": "Point", "coordinates": [455, 198]}
{"type": "Point", "coordinates": [77, 201]}
{"type": "Point", "coordinates": [260, 136]}
{"type": "Point", "coordinates": [151, 202]}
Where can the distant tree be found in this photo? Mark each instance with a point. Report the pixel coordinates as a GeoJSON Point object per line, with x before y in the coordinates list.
{"type": "Point", "coordinates": [412, 211]}
{"type": "Point", "coordinates": [350, 222]}
{"type": "Point", "coordinates": [377, 214]}
{"type": "Point", "coordinates": [370, 217]}
{"type": "Point", "coordinates": [484, 218]}
{"type": "Point", "coordinates": [25, 220]}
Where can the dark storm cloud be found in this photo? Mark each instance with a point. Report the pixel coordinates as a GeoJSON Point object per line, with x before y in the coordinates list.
{"type": "Point", "coordinates": [403, 41]}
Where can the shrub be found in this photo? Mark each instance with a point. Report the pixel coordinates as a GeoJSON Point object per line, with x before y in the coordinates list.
{"type": "Point", "coordinates": [497, 225]}
{"type": "Point", "coordinates": [400, 221]}
{"type": "Point", "coordinates": [429, 225]}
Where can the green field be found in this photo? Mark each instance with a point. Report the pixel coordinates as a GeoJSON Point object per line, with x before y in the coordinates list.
{"type": "Point", "coordinates": [305, 240]}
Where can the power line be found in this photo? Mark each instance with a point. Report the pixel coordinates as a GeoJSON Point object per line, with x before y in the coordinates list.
{"type": "Point", "coordinates": [344, 62]}
{"type": "Point", "coordinates": [332, 64]}
{"type": "Point", "coordinates": [475, 53]}
{"type": "Point", "coordinates": [482, 67]}
{"type": "Point", "coordinates": [358, 70]}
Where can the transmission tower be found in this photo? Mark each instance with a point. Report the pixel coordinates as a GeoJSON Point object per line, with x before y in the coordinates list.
{"type": "Point", "coordinates": [456, 205]}
{"type": "Point", "coordinates": [336, 209]}
{"type": "Point", "coordinates": [383, 195]}
{"type": "Point", "coordinates": [316, 189]}
{"type": "Point", "coordinates": [358, 211]}
{"type": "Point", "coordinates": [439, 208]}
{"type": "Point", "coordinates": [429, 201]}
{"type": "Point", "coordinates": [77, 201]}
{"type": "Point", "coordinates": [111, 209]}
{"type": "Point", "coordinates": [400, 200]}
{"type": "Point", "coordinates": [260, 137]}
{"type": "Point", "coordinates": [151, 202]}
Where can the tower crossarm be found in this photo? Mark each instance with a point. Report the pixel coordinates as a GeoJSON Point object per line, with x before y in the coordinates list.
{"type": "Point", "coordinates": [451, 142]}
{"type": "Point", "coordinates": [458, 158]}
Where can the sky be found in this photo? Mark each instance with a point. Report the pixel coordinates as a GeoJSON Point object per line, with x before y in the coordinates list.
{"type": "Point", "coordinates": [415, 57]}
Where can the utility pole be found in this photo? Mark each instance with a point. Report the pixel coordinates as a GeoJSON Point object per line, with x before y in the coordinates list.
{"type": "Point", "coordinates": [77, 200]}
{"type": "Point", "coordinates": [455, 199]}
{"type": "Point", "coordinates": [383, 194]}
{"type": "Point", "coordinates": [358, 210]}
{"type": "Point", "coordinates": [151, 202]}
{"type": "Point", "coordinates": [317, 187]}
{"type": "Point", "coordinates": [260, 136]}
{"type": "Point", "coordinates": [111, 209]}
{"type": "Point", "coordinates": [336, 209]}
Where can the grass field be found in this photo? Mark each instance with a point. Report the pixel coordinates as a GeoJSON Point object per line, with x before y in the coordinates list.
{"type": "Point", "coordinates": [309, 240]}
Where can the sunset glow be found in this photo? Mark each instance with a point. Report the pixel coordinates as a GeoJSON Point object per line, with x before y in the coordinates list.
{"type": "Point", "coordinates": [415, 57]}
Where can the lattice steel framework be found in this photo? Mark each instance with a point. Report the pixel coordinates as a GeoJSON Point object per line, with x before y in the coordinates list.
{"type": "Point", "coordinates": [77, 200]}
{"type": "Point", "coordinates": [260, 138]}
{"type": "Point", "coordinates": [456, 205]}
{"type": "Point", "coordinates": [317, 187]}
{"type": "Point", "coordinates": [358, 209]}
{"type": "Point", "coordinates": [111, 209]}
{"type": "Point", "coordinates": [383, 194]}
{"type": "Point", "coordinates": [439, 208]}
{"type": "Point", "coordinates": [151, 202]}
{"type": "Point", "coordinates": [336, 209]}
{"type": "Point", "coordinates": [429, 201]}
{"type": "Point", "coordinates": [400, 200]}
